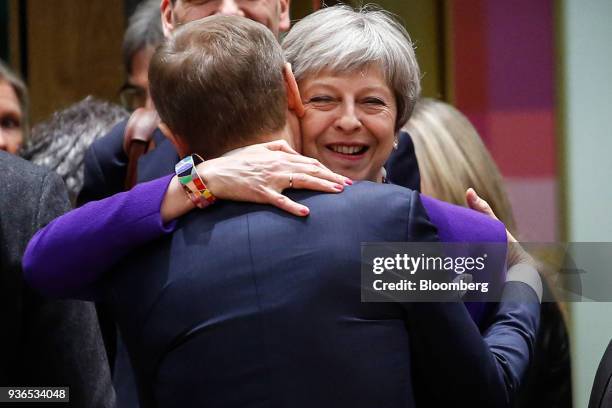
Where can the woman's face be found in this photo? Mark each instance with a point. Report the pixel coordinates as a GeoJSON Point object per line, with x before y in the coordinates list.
{"type": "Point", "coordinates": [349, 122]}
{"type": "Point", "coordinates": [11, 134]}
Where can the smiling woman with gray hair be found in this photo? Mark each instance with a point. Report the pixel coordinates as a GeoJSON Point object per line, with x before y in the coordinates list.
{"type": "Point", "coordinates": [359, 79]}
{"type": "Point", "coordinates": [368, 38]}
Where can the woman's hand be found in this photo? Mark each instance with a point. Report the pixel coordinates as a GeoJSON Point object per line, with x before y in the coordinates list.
{"type": "Point", "coordinates": [521, 266]}
{"type": "Point", "coordinates": [258, 174]}
{"type": "Point", "coordinates": [516, 254]}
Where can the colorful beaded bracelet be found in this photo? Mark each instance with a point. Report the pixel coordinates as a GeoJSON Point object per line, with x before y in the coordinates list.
{"type": "Point", "coordinates": [192, 183]}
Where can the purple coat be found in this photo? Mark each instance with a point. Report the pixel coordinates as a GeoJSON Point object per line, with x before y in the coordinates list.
{"type": "Point", "coordinates": [69, 255]}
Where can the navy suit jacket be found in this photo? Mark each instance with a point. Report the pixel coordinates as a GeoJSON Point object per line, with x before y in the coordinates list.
{"type": "Point", "coordinates": [247, 306]}
{"type": "Point", "coordinates": [105, 172]}
{"type": "Point", "coordinates": [402, 166]}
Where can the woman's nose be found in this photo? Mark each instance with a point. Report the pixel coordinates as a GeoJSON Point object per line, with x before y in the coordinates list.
{"type": "Point", "coordinates": [348, 121]}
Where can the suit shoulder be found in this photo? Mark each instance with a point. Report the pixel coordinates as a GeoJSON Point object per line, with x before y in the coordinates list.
{"type": "Point", "coordinates": [20, 174]}
{"type": "Point", "coordinates": [375, 201]}
{"type": "Point", "coordinates": [379, 192]}
{"type": "Point", "coordinates": [31, 197]}
{"type": "Point", "coordinates": [111, 144]}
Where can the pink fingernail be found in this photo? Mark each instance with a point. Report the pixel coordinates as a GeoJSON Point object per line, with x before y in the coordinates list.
{"type": "Point", "coordinates": [304, 211]}
{"type": "Point", "coordinates": [338, 187]}
{"type": "Point", "coordinates": [349, 181]}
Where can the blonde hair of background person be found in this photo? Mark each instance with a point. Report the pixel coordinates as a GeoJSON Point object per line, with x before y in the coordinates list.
{"type": "Point", "coordinates": [453, 158]}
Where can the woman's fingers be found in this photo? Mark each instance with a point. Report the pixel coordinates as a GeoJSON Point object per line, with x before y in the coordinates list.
{"type": "Point", "coordinates": [284, 203]}
{"type": "Point", "coordinates": [478, 204]}
{"type": "Point", "coordinates": [260, 173]}
{"type": "Point", "coordinates": [322, 173]}
{"type": "Point", "coordinates": [279, 145]}
{"type": "Point", "coordinates": [308, 182]}
{"type": "Point", "coordinates": [516, 253]}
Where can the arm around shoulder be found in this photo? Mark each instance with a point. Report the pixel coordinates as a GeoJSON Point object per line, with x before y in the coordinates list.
{"type": "Point", "coordinates": [68, 256]}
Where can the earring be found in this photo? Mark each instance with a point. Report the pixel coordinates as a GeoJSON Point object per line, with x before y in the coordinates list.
{"type": "Point", "coordinates": [395, 143]}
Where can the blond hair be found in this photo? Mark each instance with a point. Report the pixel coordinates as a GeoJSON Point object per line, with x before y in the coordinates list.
{"type": "Point", "coordinates": [452, 157]}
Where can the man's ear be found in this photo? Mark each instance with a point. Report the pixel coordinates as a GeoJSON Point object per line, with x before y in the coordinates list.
{"type": "Point", "coordinates": [167, 17]}
{"type": "Point", "coordinates": [284, 21]}
{"type": "Point", "coordinates": [294, 99]}
{"type": "Point", "coordinates": [180, 146]}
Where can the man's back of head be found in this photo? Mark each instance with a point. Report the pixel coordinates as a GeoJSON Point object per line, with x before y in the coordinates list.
{"type": "Point", "coordinates": [218, 84]}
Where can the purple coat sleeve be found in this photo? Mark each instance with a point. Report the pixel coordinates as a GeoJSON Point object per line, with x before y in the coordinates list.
{"type": "Point", "coordinates": [461, 225]}
{"type": "Point", "coordinates": [72, 252]}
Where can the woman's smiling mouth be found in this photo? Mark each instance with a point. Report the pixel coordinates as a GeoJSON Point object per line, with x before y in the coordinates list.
{"type": "Point", "coordinates": [348, 151]}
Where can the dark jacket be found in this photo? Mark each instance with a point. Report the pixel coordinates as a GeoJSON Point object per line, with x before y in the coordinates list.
{"type": "Point", "coordinates": [43, 342]}
{"type": "Point", "coordinates": [106, 164]}
{"type": "Point", "coordinates": [248, 306]}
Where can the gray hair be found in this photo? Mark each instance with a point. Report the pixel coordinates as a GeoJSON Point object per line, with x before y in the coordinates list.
{"type": "Point", "coordinates": [8, 75]}
{"type": "Point", "coordinates": [343, 39]}
{"type": "Point", "coordinates": [60, 142]}
{"type": "Point", "coordinates": [144, 30]}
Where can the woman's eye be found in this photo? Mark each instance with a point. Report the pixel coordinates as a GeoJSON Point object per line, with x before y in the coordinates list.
{"type": "Point", "coordinates": [374, 101]}
{"type": "Point", "coordinates": [321, 99]}
{"type": "Point", "coordinates": [9, 123]}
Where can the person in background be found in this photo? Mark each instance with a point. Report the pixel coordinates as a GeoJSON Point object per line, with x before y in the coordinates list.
{"type": "Point", "coordinates": [44, 342]}
{"type": "Point", "coordinates": [14, 118]}
{"type": "Point", "coordinates": [143, 35]}
{"type": "Point", "coordinates": [59, 143]}
{"type": "Point", "coordinates": [452, 158]}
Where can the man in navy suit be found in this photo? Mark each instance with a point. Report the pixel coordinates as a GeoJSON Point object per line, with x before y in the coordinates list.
{"type": "Point", "coordinates": [244, 305]}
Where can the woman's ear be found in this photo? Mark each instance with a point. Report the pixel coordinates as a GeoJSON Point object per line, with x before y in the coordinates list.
{"type": "Point", "coordinates": [294, 99]}
{"type": "Point", "coordinates": [181, 147]}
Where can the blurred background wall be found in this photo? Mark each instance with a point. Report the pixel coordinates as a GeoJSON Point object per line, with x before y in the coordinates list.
{"type": "Point", "coordinates": [533, 76]}
{"type": "Point", "coordinates": [65, 49]}
{"type": "Point", "coordinates": [585, 33]}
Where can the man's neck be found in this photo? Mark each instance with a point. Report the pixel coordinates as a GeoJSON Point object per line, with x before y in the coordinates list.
{"type": "Point", "coordinates": [285, 134]}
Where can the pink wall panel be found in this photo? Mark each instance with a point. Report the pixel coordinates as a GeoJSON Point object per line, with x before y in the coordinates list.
{"type": "Point", "coordinates": [522, 142]}
{"type": "Point", "coordinates": [521, 42]}
{"type": "Point", "coordinates": [503, 72]}
{"type": "Point", "coordinates": [470, 62]}
{"type": "Point", "coordinates": [531, 201]}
